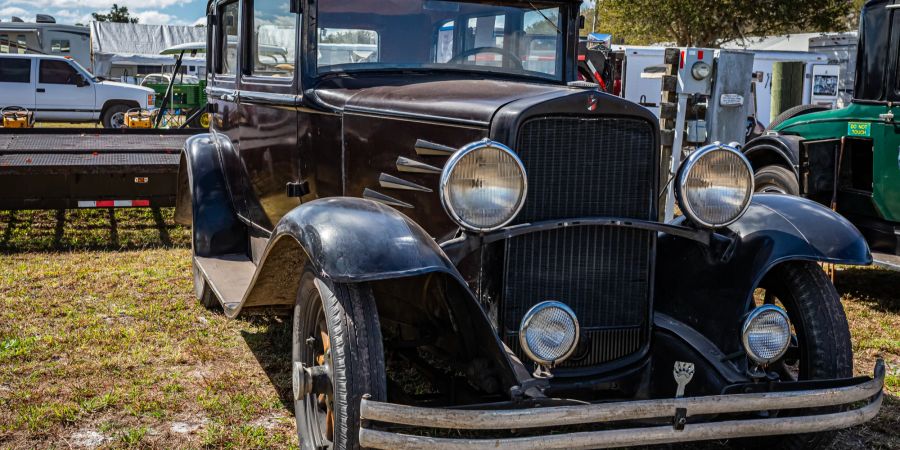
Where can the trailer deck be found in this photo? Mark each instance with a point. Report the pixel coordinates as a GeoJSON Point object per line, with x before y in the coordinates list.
{"type": "Point", "coordinates": [59, 168]}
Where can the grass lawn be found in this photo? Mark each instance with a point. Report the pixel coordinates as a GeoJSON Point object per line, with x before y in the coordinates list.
{"type": "Point", "coordinates": [103, 345]}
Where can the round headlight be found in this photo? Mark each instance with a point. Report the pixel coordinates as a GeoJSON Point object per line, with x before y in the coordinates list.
{"type": "Point", "coordinates": [483, 186]}
{"type": "Point", "coordinates": [766, 334]}
{"type": "Point", "coordinates": [715, 186]}
{"type": "Point", "coordinates": [549, 332]}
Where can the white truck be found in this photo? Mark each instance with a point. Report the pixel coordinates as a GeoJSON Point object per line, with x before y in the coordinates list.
{"type": "Point", "coordinates": [58, 89]}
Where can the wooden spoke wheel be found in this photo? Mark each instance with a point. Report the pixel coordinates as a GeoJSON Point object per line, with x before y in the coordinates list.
{"type": "Point", "coordinates": [820, 346]}
{"type": "Point", "coordinates": [337, 353]}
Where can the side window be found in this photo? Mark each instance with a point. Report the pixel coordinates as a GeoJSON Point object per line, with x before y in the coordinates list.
{"type": "Point", "coordinates": [15, 70]}
{"type": "Point", "coordinates": [60, 46]}
{"type": "Point", "coordinates": [56, 72]}
{"type": "Point", "coordinates": [481, 32]}
{"type": "Point", "coordinates": [347, 46]}
{"type": "Point", "coordinates": [4, 43]}
{"type": "Point", "coordinates": [229, 18]}
{"type": "Point", "coordinates": [274, 39]}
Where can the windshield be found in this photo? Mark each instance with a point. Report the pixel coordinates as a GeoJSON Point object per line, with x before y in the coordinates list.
{"type": "Point", "coordinates": [83, 71]}
{"type": "Point", "coordinates": [522, 38]}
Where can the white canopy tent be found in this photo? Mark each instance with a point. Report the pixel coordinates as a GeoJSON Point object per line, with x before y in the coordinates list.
{"type": "Point", "coordinates": [131, 44]}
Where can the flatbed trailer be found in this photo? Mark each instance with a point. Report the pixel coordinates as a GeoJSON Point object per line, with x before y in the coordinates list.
{"type": "Point", "coordinates": [63, 168]}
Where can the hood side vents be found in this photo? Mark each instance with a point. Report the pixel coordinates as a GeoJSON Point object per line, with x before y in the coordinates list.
{"type": "Point", "coordinates": [412, 166]}
{"type": "Point", "coordinates": [385, 199]}
{"type": "Point", "coordinates": [391, 182]}
{"type": "Point", "coordinates": [425, 148]}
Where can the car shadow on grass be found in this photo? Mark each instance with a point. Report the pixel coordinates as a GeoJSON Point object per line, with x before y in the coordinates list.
{"type": "Point", "coordinates": [879, 288]}
{"type": "Point", "coordinates": [90, 230]}
{"type": "Point", "coordinates": [271, 345]}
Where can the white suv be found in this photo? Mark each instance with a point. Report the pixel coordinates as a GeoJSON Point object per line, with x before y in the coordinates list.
{"type": "Point", "coordinates": [59, 89]}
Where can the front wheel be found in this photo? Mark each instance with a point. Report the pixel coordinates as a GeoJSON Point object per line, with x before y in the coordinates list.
{"type": "Point", "coordinates": [114, 116]}
{"type": "Point", "coordinates": [337, 349]}
{"type": "Point", "coordinates": [776, 180]}
{"type": "Point", "coordinates": [821, 348]}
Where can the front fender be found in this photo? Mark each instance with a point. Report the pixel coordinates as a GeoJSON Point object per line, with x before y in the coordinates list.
{"type": "Point", "coordinates": [352, 239]}
{"type": "Point", "coordinates": [781, 150]}
{"type": "Point", "coordinates": [696, 285]}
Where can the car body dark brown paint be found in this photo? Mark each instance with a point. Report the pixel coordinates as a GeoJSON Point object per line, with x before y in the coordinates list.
{"type": "Point", "coordinates": [337, 138]}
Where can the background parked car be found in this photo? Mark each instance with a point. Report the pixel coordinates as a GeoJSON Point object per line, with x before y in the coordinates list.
{"type": "Point", "coordinates": [59, 89]}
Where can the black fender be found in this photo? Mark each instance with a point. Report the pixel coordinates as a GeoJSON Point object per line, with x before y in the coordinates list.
{"type": "Point", "coordinates": [350, 240]}
{"type": "Point", "coordinates": [769, 149]}
{"type": "Point", "coordinates": [709, 288]}
{"type": "Point", "coordinates": [203, 200]}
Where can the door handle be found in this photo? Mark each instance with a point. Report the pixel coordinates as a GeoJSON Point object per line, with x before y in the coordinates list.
{"type": "Point", "coordinates": [888, 117]}
{"type": "Point", "coordinates": [41, 90]}
{"type": "Point", "coordinates": [229, 97]}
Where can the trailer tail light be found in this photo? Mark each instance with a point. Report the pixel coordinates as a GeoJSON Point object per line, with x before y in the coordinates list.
{"type": "Point", "coordinates": [113, 203]}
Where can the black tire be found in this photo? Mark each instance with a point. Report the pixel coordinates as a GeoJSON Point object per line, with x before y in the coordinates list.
{"type": "Point", "coordinates": [790, 113]}
{"type": "Point", "coordinates": [203, 291]}
{"type": "Point", "coordinates": [114, 116]}
{"type": "Point", "coordinates": [823, 349]}
{"type": "Point", "coordinates": [347, 312]}
{"type": "Point", "coordinates": [776, 179]}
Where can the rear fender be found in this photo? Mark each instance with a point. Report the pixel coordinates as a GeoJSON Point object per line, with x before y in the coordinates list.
{"type": "Point", "coordinates": [203, 201]}
{"type": "Point", "coordinates": [766, 150]}
{"type": "Point", "coordinates": [711, 293]}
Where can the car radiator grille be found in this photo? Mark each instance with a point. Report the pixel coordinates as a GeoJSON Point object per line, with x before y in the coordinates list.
{"type": "Point", "coordinates": [581, 167]}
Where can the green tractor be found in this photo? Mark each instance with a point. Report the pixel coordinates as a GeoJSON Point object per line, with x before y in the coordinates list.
{"type": "Point", "coordinates": [846, 158]}
{"type": "Point", "coordinates": [188, 96]}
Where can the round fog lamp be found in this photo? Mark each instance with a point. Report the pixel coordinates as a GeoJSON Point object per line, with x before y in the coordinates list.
{"type": "Point", "coordinates": [766, 334]}
{"type": "Point", "coordinates": [549, 333]}
{"type": "Point", "coordinates": [483, 186]}
{"type": "Point", "coordinates": [714, 186]}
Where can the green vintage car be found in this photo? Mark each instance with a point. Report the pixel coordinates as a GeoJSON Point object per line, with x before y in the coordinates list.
{"type": "Point", "coordinates": [847, 158]}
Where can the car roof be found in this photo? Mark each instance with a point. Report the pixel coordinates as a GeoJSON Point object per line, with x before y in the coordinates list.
{"type": "Point", "coordinates": [31, 56]}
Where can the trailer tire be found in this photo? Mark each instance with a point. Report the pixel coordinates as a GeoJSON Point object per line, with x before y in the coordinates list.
{"type": "Point", "coordinates": [790, 113]}
{"type": "Point", "coordinates": [114, 116]}
{"type": "Point", "coordinates": [775, 179]}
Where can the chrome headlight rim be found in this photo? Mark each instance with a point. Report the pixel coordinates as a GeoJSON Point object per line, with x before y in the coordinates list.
{"type": "Point", "coordinates": [745, 333]}
{"type": "Point", "coordinates": [531, 314]}
{"type": "Point", "coordinates": [448, 171]}
{"type": "Point", "coordinates": [682, 178]}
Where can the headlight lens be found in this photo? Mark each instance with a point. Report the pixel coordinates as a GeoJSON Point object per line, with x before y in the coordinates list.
{"type": "Point", "coordinates": [715, 185]}
{"type": "Point", "coordinates": [549, 332]}
{"type": "Point", "coordinates": [766, 334]}
{"type": "Point", "coordinates": [483, 186]}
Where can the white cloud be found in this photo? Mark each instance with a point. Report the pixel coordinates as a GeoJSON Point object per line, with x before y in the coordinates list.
{"type": "Point", "coordinates": [52, 5]}
{"type": "Point", "coordinates": [199, 21]}
{"type": "Point", "coordinates": [12, 11]}
{"type": "Point", "coordinates": [155, 18]}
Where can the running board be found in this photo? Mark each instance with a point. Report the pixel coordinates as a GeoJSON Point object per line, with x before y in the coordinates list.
{"type": "Point", "coordinates": [229, 276]}
{"type": "Point", "coordinates": [887, 261]}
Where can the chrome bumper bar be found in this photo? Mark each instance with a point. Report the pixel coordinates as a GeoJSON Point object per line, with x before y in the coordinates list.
{"type": "Point", "coordinates": [869, 391]}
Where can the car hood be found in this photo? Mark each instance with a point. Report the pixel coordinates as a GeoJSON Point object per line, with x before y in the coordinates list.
{"type": "Point", "coordinates": [471, 101]}
{"type": "Point", "coordinates": [116, 84]}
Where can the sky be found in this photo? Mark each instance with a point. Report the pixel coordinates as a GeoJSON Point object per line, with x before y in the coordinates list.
{"type": "Point", "coordinates": [152, 12]}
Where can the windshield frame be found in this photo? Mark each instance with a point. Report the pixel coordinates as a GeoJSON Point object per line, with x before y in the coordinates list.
{"type": "Point", "coordinates": [567, 20]}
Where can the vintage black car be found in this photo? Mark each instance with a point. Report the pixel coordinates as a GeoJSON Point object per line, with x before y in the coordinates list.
{"type": "Point", "coordinates": [469, 240]}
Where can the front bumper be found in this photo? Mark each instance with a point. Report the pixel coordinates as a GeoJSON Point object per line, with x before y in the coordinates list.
{"type": "Point", "coordinates": [860, 401]}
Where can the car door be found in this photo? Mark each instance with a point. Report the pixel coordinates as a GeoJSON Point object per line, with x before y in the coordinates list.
{"type": "Point", "coordinates": [62, 93]}
{"type": "Point", "coordinates": [223, 64]}
{"type": "Point", "coordinates": [17, 82]}
{"type": "Point", "coordinates": [268, 130]}
{"type": "Point", "coordinates": [886, 161]}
